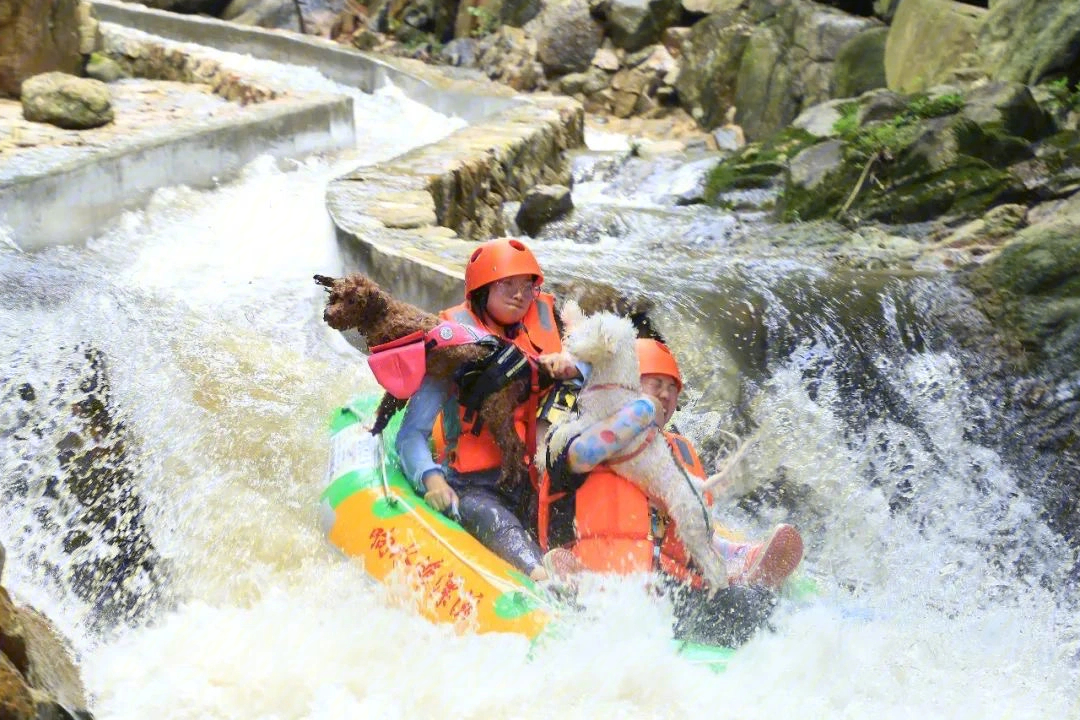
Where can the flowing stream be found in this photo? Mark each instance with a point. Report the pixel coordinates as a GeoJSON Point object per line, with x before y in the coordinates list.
{"type": "Point", "coordinates": [195, 322]}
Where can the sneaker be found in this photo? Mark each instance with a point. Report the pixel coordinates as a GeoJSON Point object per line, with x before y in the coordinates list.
{"type": "Point", "coordinates": [562, 565]}
{"type": "Point", "coordinates": [770, 563]}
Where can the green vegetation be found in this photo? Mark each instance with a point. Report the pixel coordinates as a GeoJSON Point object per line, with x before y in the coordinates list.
{"type": "Point", "coordinates": [885, 139]}
{"type": "Point", "coordinates": [758, 164]}
{"type": "Point", "coordinates": [1062, 97]}
{"type": "Point", "coordinates": [486, 21]}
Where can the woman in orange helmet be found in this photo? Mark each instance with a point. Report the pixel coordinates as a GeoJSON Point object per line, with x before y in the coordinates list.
{"type": "Point", "coordinates": [609, 525]}
{"type": "Point", "coordinates": [502, 296]}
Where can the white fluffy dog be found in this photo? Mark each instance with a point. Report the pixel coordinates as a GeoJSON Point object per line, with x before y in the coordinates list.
{"type": "Point", "coordinates": [606, 342]}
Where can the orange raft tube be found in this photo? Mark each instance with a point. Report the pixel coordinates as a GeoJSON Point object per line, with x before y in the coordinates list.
{"type": "Point", "coordinates": [370, 512]}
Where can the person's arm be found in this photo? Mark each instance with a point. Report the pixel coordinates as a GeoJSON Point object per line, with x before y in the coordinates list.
{"type": "Point", "coordinates": [563, 366]}
{"type": "Point", "coordinates": [413, 448]}
{"type": "Point", "coordinates": [610, 436]}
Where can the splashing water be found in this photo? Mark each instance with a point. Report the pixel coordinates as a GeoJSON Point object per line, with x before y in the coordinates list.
{"type": "Point", "coordinates": [222, 375]}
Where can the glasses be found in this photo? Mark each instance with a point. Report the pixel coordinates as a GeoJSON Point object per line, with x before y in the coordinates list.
{"type": "Point", "coordinates": [657, 386]}
{"type": "Point", "coordinates": [523, 286]}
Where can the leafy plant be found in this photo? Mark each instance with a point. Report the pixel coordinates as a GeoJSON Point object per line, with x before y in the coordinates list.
{"type": "Point", "coordinates": [849, 119]}
{"type": "Point", "coordinates": [924, 107]}
{"type": "Point", "coordinates": [1062, 97]}
{"type": "Point", "coordinates": [485, 19]}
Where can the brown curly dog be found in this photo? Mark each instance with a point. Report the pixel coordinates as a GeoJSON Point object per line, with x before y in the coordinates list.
{"type": "Point", "coordinates": [357, 302]}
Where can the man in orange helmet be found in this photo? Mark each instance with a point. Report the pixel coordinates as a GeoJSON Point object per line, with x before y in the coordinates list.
{"type": "Point", "coordinates": [609, 525]}
{"type": "Point", "coordinates": [502, 296]}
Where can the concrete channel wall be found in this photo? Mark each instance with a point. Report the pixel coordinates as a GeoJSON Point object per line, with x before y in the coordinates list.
{"type": "Point", "coordinates": [438, 88]}
{"type": "Point", "coordinates": [410, 222]}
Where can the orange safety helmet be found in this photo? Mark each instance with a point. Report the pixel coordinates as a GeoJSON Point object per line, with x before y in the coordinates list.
{"type": "Point", "coordinates": [498, 259]}
{"type": "Point", "coordinates": [654, 358]}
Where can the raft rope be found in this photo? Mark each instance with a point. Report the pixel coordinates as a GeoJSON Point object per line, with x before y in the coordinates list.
{"type": "Point", "coordinates": [497, 582]}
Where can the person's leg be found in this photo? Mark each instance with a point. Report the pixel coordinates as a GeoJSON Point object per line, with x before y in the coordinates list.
{"type": "Point", "coordinates": [484, 513]}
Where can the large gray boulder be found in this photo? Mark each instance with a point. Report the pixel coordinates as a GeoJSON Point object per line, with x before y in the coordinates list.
{"type": "Point", "coordinates": [763, 93]}
{"type": "Point", "coordinates": [927, 41]}
{"type": "Point", "coordinates": [635, 24]}
{"type": "Point", "coordinates": [860, 64]}
{"type": "Point", "coordinates": [37, 36]}
{"type": "Point", "coordinates": [67, 101]}
{"type": "Point", "coordinates": [567, 36]}
{"type": "Point", "coordinates": [1027, 40]}
{"type": "Point", "coordinates": [710, 65]}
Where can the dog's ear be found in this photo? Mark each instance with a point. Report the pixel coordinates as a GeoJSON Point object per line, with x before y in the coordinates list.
{"type": "Point", "coordinates": [611, 329]}
{"type": "Point", "coordinates": [571, 315]}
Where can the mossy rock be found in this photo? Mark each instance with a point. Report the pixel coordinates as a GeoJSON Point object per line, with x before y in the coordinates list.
{"type": "Point", "coordinates": [968, 188]}
{"type": "Point", "coordinates": [1034, 291]}
{"type": "Point", "coordinates": [860, 64]}
{"type": "Point", "coordinates": [757, 165]}
{"type": "Point", "coordinates": [1042, 261]}
{"type": "Point", "coordinates": [990, 144]}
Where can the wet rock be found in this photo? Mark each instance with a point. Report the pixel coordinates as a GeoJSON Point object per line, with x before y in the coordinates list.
{"type": "Point", "coordinates": [606, 59]}
{"type": "Point", "coordinates": [710, 7]}
{"type": "Point", "coordinates": [585, 83]}
{"type": "Point", "coordinates": [37, 36]}
{"type": "Point", "coordinates": [1022, 41]}
{"type": "Point", "coordinates": [567, 37]}
{"type": "Point", "coordinates": [66, 101]}
{"type": "Point", "coordinates": [105, 69]}
{"type": "Point", "coordinates": [1007, 108]}
{"type": "Point", "coordinates": [84, 490]}
{"type": "Point", "coordinates": [764, 78]}
{"type": "Point", "coordinates": [509, 56]}
{"type": "Point", "coordinates": [927, 40]}
{"type": "Point", "coordinates": [997, 225]}
{"type": "Point", "coordinates": [634, 24]}
{"type": "Point", "coordinates": [460, 52]}
{"type": "Point", "coordinates": [710, 67]}
{"type": "Point", "coordinates": [812, 166]}
{"type": "Point", "coordinates": [687, 184]}
{"type": "Point", "coordinates": [878, 105]}
{"type": "Point", "coordinates": [264, 13]}
{"type": "Point", "coordinates": [820, 120]}
{"type": "Point", "coordinates": [38, 677]}
{"type": "Point", "coordinates": [729, 137]}
{"type": "Point", "coordinates": [758, 165]}
{"type": "Point", "coordinates": [860, 64]}
{"type": "Point", "coordinates": [16, 699]}
{"type": "Point", "coordinates": [541, 205]}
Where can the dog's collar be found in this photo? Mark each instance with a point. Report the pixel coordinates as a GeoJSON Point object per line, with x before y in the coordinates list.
{"type": "Point", "coordinates": [609, 386]}
{"type": "Point", "coordinates": [633, 454]}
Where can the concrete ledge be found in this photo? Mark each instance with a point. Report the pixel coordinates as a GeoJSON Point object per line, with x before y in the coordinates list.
{"type": "Point", "coordinates": [64, 201]}
{"type": "Point", "coordinates": [414, 219]}
{"type": "Point", "coordinates": [450, 91]}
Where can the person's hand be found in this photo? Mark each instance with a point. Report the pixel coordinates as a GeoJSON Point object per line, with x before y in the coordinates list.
{"type": "Point", "coordinates": [439, 494]}
{"type": "Point", "coordinates": [559, 365]}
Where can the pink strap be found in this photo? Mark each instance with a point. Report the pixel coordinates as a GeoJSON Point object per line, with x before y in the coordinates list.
{"type": "Point", "coordinates": [399, 365]}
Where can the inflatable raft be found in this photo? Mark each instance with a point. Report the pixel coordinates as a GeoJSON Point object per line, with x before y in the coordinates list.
{"type": "Point", "coordinates": [370, 512]}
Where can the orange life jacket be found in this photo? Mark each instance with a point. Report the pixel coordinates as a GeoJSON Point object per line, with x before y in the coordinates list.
{"type": "Point", "coordinates": [453, 438]}
{"type": "Point", "coordinates": [615, 529]}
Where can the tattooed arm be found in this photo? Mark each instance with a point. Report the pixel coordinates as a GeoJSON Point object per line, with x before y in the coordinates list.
{"type": "Point", "coordinates": [611, 435]}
